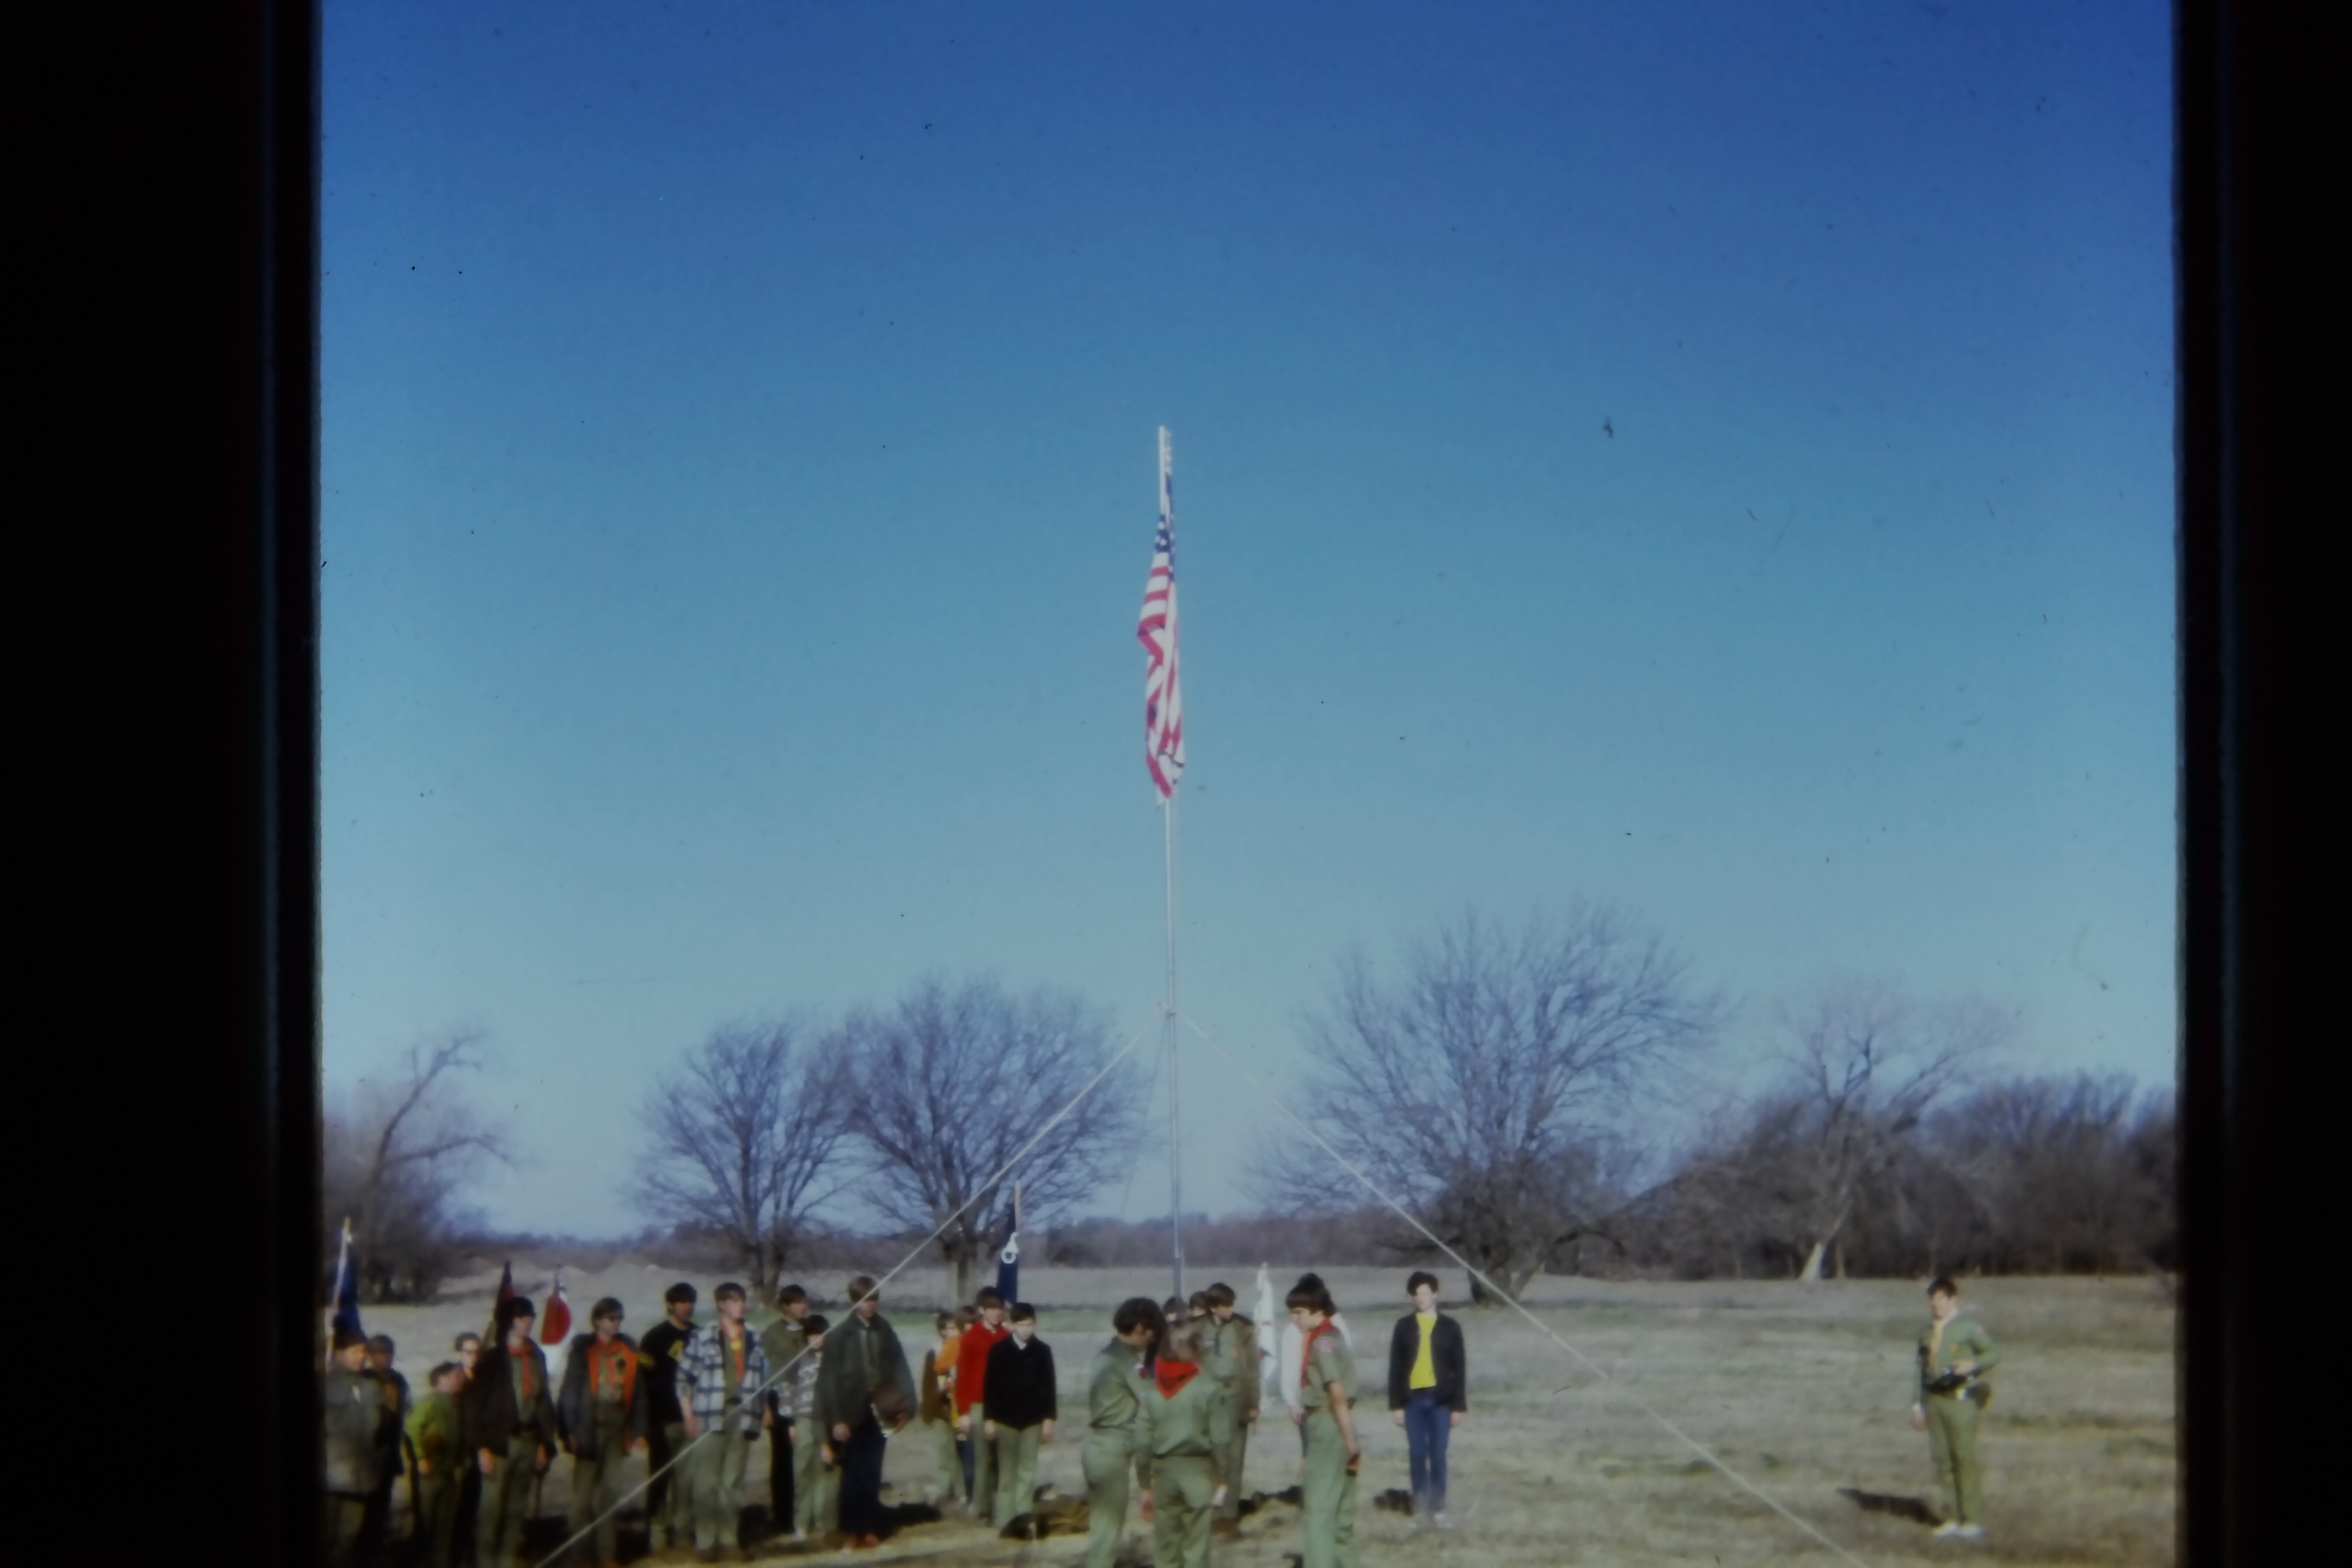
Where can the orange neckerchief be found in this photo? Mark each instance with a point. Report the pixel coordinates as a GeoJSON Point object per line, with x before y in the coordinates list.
{"type": "Point", "coordinates": [735, 1349]}
{"type": "Point", "coordinates": [528, 1373]}
{"type": "Point", "coordinates": [1173, 1376]}
{"type": "Point", "coordinates": [601, 1353]}
{"type": "Point", "coordinates": [1306, 1348]}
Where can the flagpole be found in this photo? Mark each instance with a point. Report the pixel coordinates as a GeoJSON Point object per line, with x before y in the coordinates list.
{"type": "Point", "coordinates": [1168, 1024]}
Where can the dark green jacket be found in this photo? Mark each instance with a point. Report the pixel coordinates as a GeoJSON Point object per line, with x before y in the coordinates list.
{"type": "Point", "coordinates": [1964, 1340]}
{"type": "Point", "coordinates": [861, 1354]}
{"type": "Point", "coordinates": [352, 1406]}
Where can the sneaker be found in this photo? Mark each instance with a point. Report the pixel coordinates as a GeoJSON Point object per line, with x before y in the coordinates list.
{"type": "Point", "coordinates": [1949, 1527]}
{"type": "Point", "coordinates": [1440, 1520]}
{"type": "Point", "coordinates": [1971, 1532]}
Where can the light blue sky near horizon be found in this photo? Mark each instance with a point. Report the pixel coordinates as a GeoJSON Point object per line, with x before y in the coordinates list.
{"type": "Point", "coordinates": [737, 486]}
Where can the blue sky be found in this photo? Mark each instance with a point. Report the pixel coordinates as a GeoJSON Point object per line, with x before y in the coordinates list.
{"type": "Point", "coordinates": [1712, 457]}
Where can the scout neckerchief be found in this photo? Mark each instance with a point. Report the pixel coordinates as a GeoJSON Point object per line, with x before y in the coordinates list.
{"type": "Point", "coordinates": [526, 1379]}
{"type": "Point", "coordinates": [611, 1363]}
{"type": "Point", "coordinates": [1173, 1376]}
{"type": "Point", "coordinates": [735, 1347]}
{"type": "Point", "coordinates": [1306, 1348]}
{"type": "Point", "coordinates": [1936, 1336]}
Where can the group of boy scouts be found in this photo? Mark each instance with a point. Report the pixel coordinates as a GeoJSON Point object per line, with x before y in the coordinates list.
{"type": "Point", "coordinates": [1170, 1400]}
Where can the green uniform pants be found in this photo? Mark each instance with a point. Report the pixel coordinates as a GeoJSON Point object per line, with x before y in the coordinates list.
{"type": "Point", "coordinates": [1952, 1438]}
{"type": "Point", "coordinates": [1328, 1497]}
{"type": "Point", "coordinates": [1105, 1462]}
{"type": "Point", "coordinates": [816, 1486]}
{"type": "Point", "coordinates": [983, 1471]}
{"type": "Point", "coordinates": [596, 1484]}
{"type": "Point", "coordinates": [505, 1510]}
{"type": "Point", "coordinates": [678, 1497]}
{"type": "Point", "coordinates": [1016, 1473]}
{"type": "Point", "coordinates": [436, 1512]}
{"type": "Point", "coordinates": [1231, 1455]}
{"type": "Point", "coordinates": [341, 1521]}
{"type": "Point", "coordinates": [717, 1464]}
{"type": "Point", "coordinates": [950, 1462]}
{"type": "Point", "coordinates": [1180, 1488]}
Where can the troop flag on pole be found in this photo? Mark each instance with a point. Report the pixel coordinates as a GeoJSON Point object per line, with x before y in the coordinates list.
{"type": "Point", "coordinates": [1008, 1260]}
{"type": "Point", "coordinates": [556, 1321]}
{"type": "Point", "coordinates": [498, 1333]}
{"type": "Point", "coordinates": [1163, 700]}
{"type": "Point", "coordinates": [347, 1288]}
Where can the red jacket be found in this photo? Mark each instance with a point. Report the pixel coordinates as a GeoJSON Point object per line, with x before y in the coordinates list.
{"type": "Point", "coordinates": [971, 1365]}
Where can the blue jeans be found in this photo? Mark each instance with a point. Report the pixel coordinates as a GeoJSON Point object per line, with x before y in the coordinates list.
{"type": "Point", "coordinates": [1428, 1422]}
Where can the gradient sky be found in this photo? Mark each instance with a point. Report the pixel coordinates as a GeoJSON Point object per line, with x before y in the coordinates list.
{"type": "Point", "coordinates": [1715, 458]}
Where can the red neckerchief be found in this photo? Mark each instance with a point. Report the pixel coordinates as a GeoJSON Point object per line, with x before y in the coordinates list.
{"type": "Point", "coordinates": [1173, 1376]}
{"type": "Point", "coordinates": [530, 1381]}
{"type": "Point", "coordinates": [1307, 1349]}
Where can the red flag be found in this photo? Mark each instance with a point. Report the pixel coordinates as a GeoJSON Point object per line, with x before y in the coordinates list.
{"type": "Point", "coordinates": [556, 1321]}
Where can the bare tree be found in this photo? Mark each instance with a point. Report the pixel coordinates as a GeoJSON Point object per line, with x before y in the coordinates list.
{"type": "Point", "coordinates": [743, 1142]}
{"type": "Point", "coordinates": [953, 1081]}
{"type": "Point", "coordinates": [398, 1153]}
{"type": "Point", "coordinates": [1863, 1064]}
{"type": "Point", "coordinates": [1483, 1086]}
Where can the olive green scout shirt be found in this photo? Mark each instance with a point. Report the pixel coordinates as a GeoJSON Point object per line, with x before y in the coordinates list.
{"type": "Point", "coordinates": [1963, 1338]}
{"type": "Point", "coordinates": [436, 1434]}
{"type": "Point", "coordinates": [1328, 1363]}
{"type": "Point", "coordinates": [1167, 1428]}
{"type": "Point", "coordinates": [1115, 1396]}
{"type": "Point", "coordinates": [1233, 1361]}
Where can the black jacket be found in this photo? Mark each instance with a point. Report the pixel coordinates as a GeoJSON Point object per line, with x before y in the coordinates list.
{"type": "Point", "coordinates": [1018, 1389]}
{"type": "Point", "coordinates": [490, 1414]}
{"type": "Point", "coordinates": [1445, 1355]}
{"type": "Point", "coordinates": [575, 1412]}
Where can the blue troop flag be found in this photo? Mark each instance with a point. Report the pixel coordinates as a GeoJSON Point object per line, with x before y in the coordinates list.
{"type": "Point", "coordinates": [347, 1288]}
{"type": "Point", "coordinates": [1008, 1262]}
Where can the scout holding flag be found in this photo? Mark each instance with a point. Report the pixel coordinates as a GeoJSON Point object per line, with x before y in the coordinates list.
{"type": "Point", "coordinates": [1118, 1382]}
{"type": "Point", "coordinates": [1955, 1354]}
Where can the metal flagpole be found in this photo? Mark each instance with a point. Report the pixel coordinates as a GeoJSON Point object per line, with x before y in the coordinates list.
{"type": "Point", "coordinates": [1168, 1030]}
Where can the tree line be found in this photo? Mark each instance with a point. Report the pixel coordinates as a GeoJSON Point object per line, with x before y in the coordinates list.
{"type": "Point", "coordinates": [1525, 1092]}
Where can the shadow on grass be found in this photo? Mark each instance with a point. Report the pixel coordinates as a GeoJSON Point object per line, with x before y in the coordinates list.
{"type": "Point", "coordinates": [1911, 1507]}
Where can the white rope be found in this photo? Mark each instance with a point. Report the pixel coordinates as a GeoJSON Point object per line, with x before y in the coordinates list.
{"type": "Point", "coordinates": [896, 1269]}
{"type": "Point", "coordinates": [1597, 1369]}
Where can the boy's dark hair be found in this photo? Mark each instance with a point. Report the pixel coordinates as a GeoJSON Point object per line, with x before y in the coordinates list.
{"type": "Point", "coordinates": [459, 1342]}
{"type": "Point", "coordinates": [516, 1307]}
{"type": "Point", "coordinates": [1182, 1343]}
{"type": "Point", "coordinates": [1177, 1308]}
{"type": "Point", "coordinates": [1220, 1294]}
{"type": "Point", "coordinates": [1311, 1294]}
{"type": "Point", "coordinates": [813, 1324]}
{"type": "Point", "coordinates": [345, 1338]}
{"type": "Point", "coordinates": [729, 1290]}
{"type": "Point", "coordinates": [791, 1295]}
{"type": "Point", "coordinates": [681, 1291]}
{"type": "Point", "coordinates": [943, 1319]}
{"type": "Point", "coordinates": [1197, 1303]}
{"type": "Point", "coordinates": [1135, 1312]}
{"type": "Point", "coordinates": [988, 1297]}
{"type": "Point", "coordinates": [859, 1289]}
{"type": "Point", "coordinates": [610, 1307]}
{"type": "Point", "coordinates": [1022, 1312]}
{"type": "Point", "coordinates": [1943, 1284]}
{"type": "Point", "coordinates": [1420, 1277]}
{"type": "Point", "coordinates": [381, 1342]}
{"type": "Point", "coordinates": [966, 1317]}
{"type": "Point", "coordinates": [440, 1372]}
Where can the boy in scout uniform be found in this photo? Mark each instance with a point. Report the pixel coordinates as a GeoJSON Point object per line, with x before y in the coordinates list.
{"type": "Point", "coordinates": [437, 1437]}
{"type": "Point", "coordinates": [1328, 1382]}
{"type": "Point", "coordinates": [1233, 1361]}
{"type": "Point", "coordinates": [1174, 1434]}
{"type": "Point", "coordinates": [510, 1431]}
{"type": "Point", "coordinates": [350, 1408]}
{"type": "Point", "coordinates": [1954, 1354]}
{"type": "Point", "coordinates": [601, 1414]}
{"type": "Point", "coordinates": [782, 1343]}
{"type": "Point", "coordinates": [1115, 1389]}
{"type": "Point", "coordinates": [815, 1470]}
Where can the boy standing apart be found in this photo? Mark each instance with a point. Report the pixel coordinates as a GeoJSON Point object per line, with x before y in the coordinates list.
{"type": "Point", "coordinates": [1115, 1389]}
{"type": "Point", "coordinates": [510, 1431]}
{"type": "Point", "coordinates": [668, 1502]}
{"type": "Point", "coordinates": [1955, 1353]}
{"type": "Point", "coordinates": [1019, 1409]}
{"type": "Point", "coordinates": [351, 1407]}
{"type": "Point", "coordinates": [815, 1480]}
{"type": "Point", "coordinates": [863, 1387]}
{"type": "Point", "coordinates": [782, 1343]}
{"type": "Point", "coordinates": [971, 1389]}
{"type": "Point", "coordinates": [1428, 1384]}
{"type": "Point", "coordinates": [1333, 1454]}
{"type": "Point", "coordinates": [601, 1414]}
{"type": "Point", "coordinates": [1174, 1441]}
{"type": "Point", "coordinates": [1233, 1361]}
{"type": "Point", "coordinates": [437, 1438]}
{"type": "Point", "coordinates": [718, 1379]}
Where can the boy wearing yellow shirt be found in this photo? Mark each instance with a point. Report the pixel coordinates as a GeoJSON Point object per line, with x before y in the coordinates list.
{"type": "Point", "coordinates": [1428, 1394]}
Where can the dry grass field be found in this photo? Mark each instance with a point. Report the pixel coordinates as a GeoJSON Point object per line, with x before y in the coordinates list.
{"type": "Point", "coordinates": [1804, 1391]}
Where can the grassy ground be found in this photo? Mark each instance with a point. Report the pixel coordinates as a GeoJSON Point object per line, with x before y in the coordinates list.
{"type": "Point", "coordinates": [1804, 1392]}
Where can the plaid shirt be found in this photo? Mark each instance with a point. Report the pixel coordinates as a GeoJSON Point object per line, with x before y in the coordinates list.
{"type": "Point", "coordinates": [702, 1376]}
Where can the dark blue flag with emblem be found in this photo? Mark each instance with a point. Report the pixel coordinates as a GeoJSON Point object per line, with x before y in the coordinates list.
{"type": "Point", "coordinates": [1008, 1259]}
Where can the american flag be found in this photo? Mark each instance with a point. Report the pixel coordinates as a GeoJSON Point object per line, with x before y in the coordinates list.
{"type": "Point", "coordinates": [1163, 700]}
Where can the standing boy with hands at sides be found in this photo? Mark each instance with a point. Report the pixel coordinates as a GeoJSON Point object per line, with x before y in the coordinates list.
{"type": "Point", "coordinates": [436, 1435]}
{"type": "Point", "coordinates": [511, 1429]}
{"type": "Point", "coordinates": [1428, 1394]}
{"type": "Point", "coordinates": [816, 1488]}
{"type": "Point", "coordinates": [863, 1389]}
{"type": "Point", "coordinates": [971, 1389]}
{"type": "Point", "coordinates": [1328, 1381]}
{"type": "Point", "coordinates": [1018, 1410]}
{"type": "Point", "coordinates": [1117, 1385]}
{"type": "Point", "coordinates": [1175, 1443]}
{"type": "Point", "coordinates": [719, 1381]}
